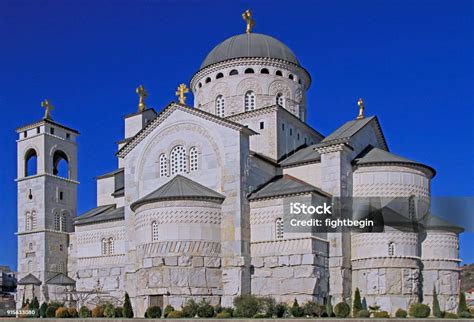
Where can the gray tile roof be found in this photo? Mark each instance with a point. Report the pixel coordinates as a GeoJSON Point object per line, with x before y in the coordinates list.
{"type": "Point", "coordinates": [179, 188]}
{"type": "Point", "coordinates": [305, 155]}
{"type": "Point", "coordinates": [29, 279]}
{"type": "Point", "coordinates": [101, 214]}
{"type": "Point", "coordinates": [285, 185]}
{"type": "Point", "coordinates": [61, 279]}
{"type": "Point", "coordinates": [372, 155]}
{"type": "Point", "coordinates": [110, 174]}
{"type": "Point", "coordinates": [432, 222]}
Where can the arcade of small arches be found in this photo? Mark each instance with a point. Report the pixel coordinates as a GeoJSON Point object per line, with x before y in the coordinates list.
{"type": "Point", "coordinates": [107, 246]}
{"type": "Point", "coordinates": [250, 102]}
{"type": "Point", "coordinates": [178, 161]}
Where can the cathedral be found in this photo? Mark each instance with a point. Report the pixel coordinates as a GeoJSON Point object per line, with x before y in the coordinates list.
{"type": "Point", "coordinates": [197, 207]}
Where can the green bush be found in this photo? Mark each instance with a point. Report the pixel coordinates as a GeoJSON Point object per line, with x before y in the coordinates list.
{"type": "Point", "coordinates": [401, 313]}
{"type": "Point", "coordinates": [153, 312]}
{"type": "Point", "coordinates": [419, 310]}
{"type": "Point", "coordinates": [72, 312]}
{"type": "Point", "coordinates": [261, 316]}
{"type": "Point", "coordinates": [281, 309]}
{"type": "Point", "coordinates": [357, 303]}
{"type": "Point", "coordinates": [381, 315]}
{"type": "Point", "coordinates": [119, 312]}
{"type": "Point", "coordinates": [223, 315]}
{"type": "Point", "coordinates": [313, 309]}
{"type": "Point", "coordinates": [465, 315]}
{"type": "Point", "coordinates": [34, 306]}
{"type": "Point", "coordinates": [246, 306]}
{"type": "Point", "coordinates": [342, 310]}
{"type": "Point", "coordinates": [51, 310]}
{"type": "Point", "coordinates": [267, 306]}
{"type": "Point", "coordinates": [190, 309]}
{"type": "Point", "coordinates": [462, 307]}
{"type": "Point", "coordinates": [84, 312]}
{"type": "Point", "coordinates": [205, 310]}
{"type": "Point", "coordinates": [175, 315]}
{"type": "Point", "coordinates": [436, 309]}
{"type": "Point", "coordinates": [127, 307]}
{"type": "Point", "coordinates": [363, 314]}
{"type": "Point", "coordinates": [296, 310]}
{"type": "Point", "coordinates": [449, 315]}
{"type": "Point", "coordinates": [61, 313]}
{"type": "Point", "coordinates": [329, 308]}
{"type": "Point", "coordinates": [109, 311]}
{"type": "Point", "coordinates": [42, 309]}
{"type": "Point", "coordinates": [98, 311]}
{"type": "Point", "coordinates": [168, 309]}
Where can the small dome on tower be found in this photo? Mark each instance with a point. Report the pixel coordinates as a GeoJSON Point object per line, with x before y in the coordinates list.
{"type": "Point", "coordinates": [250, 45]}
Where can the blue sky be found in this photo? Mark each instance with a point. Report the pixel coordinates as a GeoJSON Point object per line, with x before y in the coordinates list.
{"type": "Point", "coordinates": [411, 61]}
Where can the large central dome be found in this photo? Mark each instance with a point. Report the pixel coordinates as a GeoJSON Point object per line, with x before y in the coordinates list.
{"type": "Point", "coordinates": [249, 45]}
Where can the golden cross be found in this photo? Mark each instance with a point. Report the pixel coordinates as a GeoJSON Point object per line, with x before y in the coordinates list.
{"type": "Point", "coordinates": [142, 94]}
{"type": "Point", "coordinates": [182, 90]}
{"type": "Point", "coordinates": [247, 16]}
{"type": "Point", "coordinates": [361, 105]}
{"type": "Point", "coordinates": [48, 108]}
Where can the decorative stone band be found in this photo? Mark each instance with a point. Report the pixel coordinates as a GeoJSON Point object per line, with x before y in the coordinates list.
{"type": "Point", "coordinates": [47, 175]}
{"type": "Point", "coordinates": [42, 231]}
{"type": "Point", "coordinates": [383, 262]}
{"type": "Point", "coordinates": [441, 264]}
{"type": "Point", "coordinates": [290, 246]}
{"type": "Point", "coordinates": [332, 148]}
{"type": "Point", "coordinates": [100, 261]}
{"type": "Point", "coordinates": [170, 248]}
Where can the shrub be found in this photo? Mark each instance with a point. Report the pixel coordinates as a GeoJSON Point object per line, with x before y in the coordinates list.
{"type": "Point", "coordinates": [84, 312]}
{"type": "Point", "coordinates": [342, 310]}
{"type": "Point", "coordinates": [246, 306]}
{"type": "Point", "coordinates": [175, 315]}
{"type": "Point", "coordinates": [363, 314]}
{"type": "Point", "coordinates": [419, 310]}
{"type": "Point", "coordinates": [72, 312]}
{"type": "Point", "coordinates": [401, 313]}
{"type": "Point", "coordinates": [312, 308]}
{"type": "Point", "coordinates": [223, 315]}
{"type": "Point", "coordinates": [281, 309]}
{"type": "Point", "coordinates": [357, 303]}
{"type": "Point", "coordinates": [61, 313]}
{"type": "Point", "coordinates": [127, 307]}
{"type": "Point", "coordinates": [190, 309]}
{"type": "Point", "coordinates": [329, 308]}
{"type": "Point", "coordinates": [42, 309]}
{"type": "Point", "coordinates": [449, 315]}
{"type": "Point", "coordinates": [465, 315]}
{"type": "Point", "coordinates": [34, 306]}
{"type": "Point", "coordinates": [168, 309]}
{"type": "Point", "coordinates": [51, 310]}
{"type": "Point", "coordinates": [109, 310]}
{"type": "Point", "coordinates": [205, 310]}
{"type": "Point", "coordinates": [267, 306]}
{"type": "Point", "coordinates": [436, 309]}
{"type": "Point", "coordinates": [98, 311]}
{"type": "Point", "coordinates": [296, 310]}
{"type": "Point", "coordinates": [119, 312]}
{"type": "Point", "coordinates": [381, 315]}
{"type": "Point", "coordinates": [462, 307]}
{"type": "Point", "coordinates": [153, 312]}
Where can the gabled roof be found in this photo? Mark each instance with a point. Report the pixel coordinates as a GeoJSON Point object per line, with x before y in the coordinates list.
{"type": "Point", "coordinates": [101, 214]}
{"type": "Point", "coordinates": [179, 188]}
{"type": "Point", "coordinates": [372, 155]}
{"type": "Point", "coordinates": [344, 133]}
{"type": "Point", "coordinates": [141, 135]}
{"type": "Point", "coordinates": [432, 222]}
{"type": "Point", "coordinates": [305, 155]}
{"type": "Point", "coordinates": [286, 185]}
{"type": "Point", "coordinates": [61, 279]}
{"type": "Point", "coordinates": [29, 279]}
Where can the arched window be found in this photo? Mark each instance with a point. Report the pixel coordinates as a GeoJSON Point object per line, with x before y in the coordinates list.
{"type": "Point", "coordinates": [279, 228]}
{"type": "Point", "coordinates": [220, 106]}
{"type": "Point", "coordinates": [57, 221]}
{"type": "Point", "coordinates": [178, 160]}
{"type": "Point", "coordinates": [280, 99]}
{"type": "Point", "coordinates": [163, 165]}
{"type": "Point", "coordinates": [104, 246]}
{"type": "Point", "coordinates": [249, 101]}
{"type": "Point", "coordinates": [30, 266]}
{"type": "Point", "coordinates": [233, 72]}
{"type": "Point", "coordinates": [193, 159]}
{"type": "Point", "coordinates": [208, 80]}
{"type": "Point", "coordinates": [200, 85]}
{"type": "Point", "coordinates": [278, 73]}
{"type": "Point", "coordinates": [33, 220]}
{"type": "Point", "coordinates": [111, 246]}
{"type": "Point", "coordinates": [60, 164]}
{"type": "Point", "coordinates": [290, 76]}
{"type": "Point", "coordinates": [31, 163]}
{"type": "Point", "coordinates": [249, 71]}
{"type": "Point", "coordinates": [154, 230]}
{"type": "Point", "coordinates": [264, 71]}
{"type": "Point", "coordinates": [27, 221]}
{"type": "Point", "coordinates": [63, 222]}
{"type": "Point", "coordinates": [391, 249]}
{"type": "Point", "coordinates": [219, 75]}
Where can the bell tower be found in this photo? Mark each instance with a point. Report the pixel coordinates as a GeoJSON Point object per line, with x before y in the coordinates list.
{"type": "Point", "coordinates": [47, 199]}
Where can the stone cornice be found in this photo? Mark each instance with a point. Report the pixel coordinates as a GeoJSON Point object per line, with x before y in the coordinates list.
{"type": "Point", "coordinates": [30, 232]}
{"type": "Point", "coordinates": [46, 175]}
{"type": "Point", "coordinates": [42, 122]}
{"type": "Point", "coordinates": [339, 146]}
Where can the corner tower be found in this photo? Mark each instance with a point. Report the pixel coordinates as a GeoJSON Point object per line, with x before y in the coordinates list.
{"type": "Point", "coordinates": [47, 193]}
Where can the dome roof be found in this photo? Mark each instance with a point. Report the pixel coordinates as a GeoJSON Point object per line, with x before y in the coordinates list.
{"type": "Point", "coordinates": [249, 45]}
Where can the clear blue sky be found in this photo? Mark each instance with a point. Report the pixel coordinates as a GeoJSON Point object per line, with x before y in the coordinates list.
{"type": "Point", "coordinates": [411, 61]}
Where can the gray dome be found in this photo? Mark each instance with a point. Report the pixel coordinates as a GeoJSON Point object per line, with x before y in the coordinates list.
{"type": "Point", "coordinates": [249, 45]}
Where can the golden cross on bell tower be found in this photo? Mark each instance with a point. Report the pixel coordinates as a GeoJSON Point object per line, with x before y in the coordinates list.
{"type": "Point", "coordinates": [181, 91]}
{"type": "Point", "coordinates": [48, 107]}
{"type": "Point", "coordinates": [361, 105]}
{"type": "Point", "coordinates": [142, 94]}
{"type": "Point", "coordinates": [247, 16]}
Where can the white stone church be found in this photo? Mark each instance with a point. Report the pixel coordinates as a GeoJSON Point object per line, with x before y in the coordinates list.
{"type": "Point", "coordinates": [196, 205]}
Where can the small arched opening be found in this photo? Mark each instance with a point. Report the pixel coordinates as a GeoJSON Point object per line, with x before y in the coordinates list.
{"type": "Point", "coordinates": [219, 75]}
{"type": "Point", "coordinates": [60, 164]}
{"type": "Point", "coordinates": [31, 163]}
{"type": "Point", "coordinates": [264, 71]}
{"type": "Point", "coordinates": [249, 71]}
{"type": "Point", "coordinates": [279, 73]}
{"type": "Point", "coordinates": [233, 72]}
